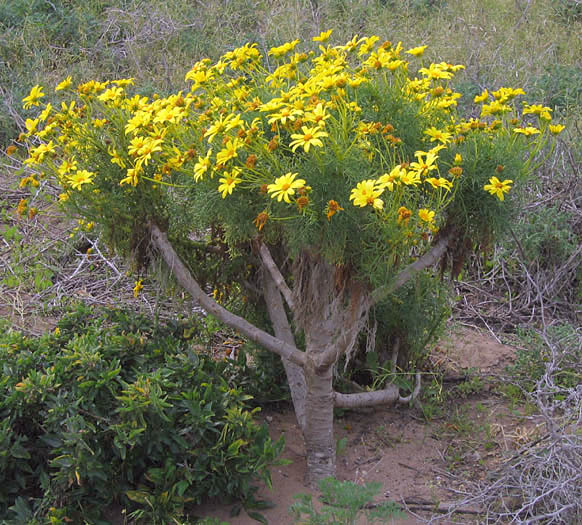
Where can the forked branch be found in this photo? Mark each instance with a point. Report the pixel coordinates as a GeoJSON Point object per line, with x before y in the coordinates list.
{"type": "Point", "coordinates": [184, 277]}
{"type": "Point", "coordinates": [276, 274]}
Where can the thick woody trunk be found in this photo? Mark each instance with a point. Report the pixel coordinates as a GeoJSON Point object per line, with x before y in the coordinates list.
{"type": "Point", "coordinates": [318, 433]}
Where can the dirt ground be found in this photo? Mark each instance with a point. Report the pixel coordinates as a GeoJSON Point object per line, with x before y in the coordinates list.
{"type": "Point", "coordinates": [419, 463]}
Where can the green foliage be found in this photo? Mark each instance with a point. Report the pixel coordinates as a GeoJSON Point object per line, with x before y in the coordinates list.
{"type": "Point", "coordinates": [560, 86]}
{"type": "Point", "coordinates": [546, 237]}
{"type": "Point", "coordinates": [534, 353]}
{"type": "Point", "coordinates": [473, 384]}
{"type": "Point", "coordinates": [344, 502]}
{"type": "Point", "coordinates": [568, 11]}
{"type": "Point", "coordinates": [410, 320]}
{"type": "Point", "coordinates": [113, 408]}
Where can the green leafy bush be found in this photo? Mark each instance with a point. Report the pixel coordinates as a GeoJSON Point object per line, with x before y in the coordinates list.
{"type": "Point", "coordinates": [114, 409]}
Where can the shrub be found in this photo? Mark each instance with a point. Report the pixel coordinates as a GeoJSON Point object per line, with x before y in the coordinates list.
{"type": "Point", "coordinates": [113, 409]}
{"type": "Point", "coordinates": [395, 179]}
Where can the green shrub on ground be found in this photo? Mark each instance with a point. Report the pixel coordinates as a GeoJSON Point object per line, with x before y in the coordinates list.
{"type": "Point", "coordinates": [112, 409]}
{"type": "Point", "coordinates": [343, 503]}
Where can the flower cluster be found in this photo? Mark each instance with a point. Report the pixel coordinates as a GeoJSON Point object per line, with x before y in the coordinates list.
{"type": "Point", "coordinates": [301, 140]}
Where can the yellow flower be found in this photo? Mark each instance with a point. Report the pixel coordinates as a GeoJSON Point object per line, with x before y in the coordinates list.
{"type": "Point", "coordinates": [202, 166]}
{"type": "Point", "coordinates": [504, 94]}
{"type": "Point", "coordinates": [437, 135]}
{"type": "Point", "coordinates": [555, 129]}
{"type": "Point", "coordinates": [34, 96]}
{"type": "Point", "coordinates": [495, 108]}
{"type": "Point", "coordinates": [229, 151]}
{"type": "Point", "coordinates": [417, 51]}
{"type": "Point", "coordinates": [67, 166]}
{"type": "Point", "coordinates": [137, 288]}
{"type": "Point", "coordinates": [458, 159]}
{"type": "Point", "coordinates": [31, 125]}
{"type": "Point", "coordinates": [410, 178]}
{"type": "Point", "coordinates": [64, 84]}
{"type": "Point", "coordinates": [132, 176]}
{"type": "Point", "coordinates": [37, 155]}
{"type": "Point", "coordinates": [285, 186]}
{"type": "Point", "coordinates": [537, 109]}
{"type": "Point", "coordinates": [229, 181]}
{"type": "Point", "coordinates": [116, 158]}
{"type": "Point", "coordinates": [283, 49]}
{"type": "Point", "coordinates": [388, 180]}
{"type": "Point", "coordinates": [284, 115]}
{"type": "Point", "coordinates": [367, 44]}
{"type": "Point", "coordinates": [440, 183]}
{"type": "Point", "coordinates": [45, 112]}
{"type": "Point", "coordinates": [318, 115]}
{"type": "Point", "coordinates": [498, 188]}
{"type": "Point", "coordinates": [22, 207]}
{"type": "Point", "coordinates": [424, 165]}
{"type": "Point", "coordinates": [323, 36]}
{"type": "Point", "coordinates": [111, 94]}
{"type": "Point", "coordinates": [426, 215]}
{"type": "Point", "coordinates": [310, 136]}
{"type": "Point", "coordinates": [527, 131]}
{"type": "Point", "coordinates": [217, 127]}
{"type": "Point", "coordinates": [436, 71]}
{"type": "Point", "coordinates": [79, 178]}
{"type": "Point", "coordinates": [367, 192]}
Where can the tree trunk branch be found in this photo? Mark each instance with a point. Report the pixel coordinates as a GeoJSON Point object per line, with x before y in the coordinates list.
{"type": "Point", "coordinates": [365, 399]}
{"type": "Point", "coordinates": [271, 266]}
{"type": "Point", "coordinates": [184, 277]}
{"type": "Point", "coordinates": [388, 395]}
{"type": "Point", "coordinates": [295, 374]}
{"type": "Point", "coordinates": [428, 259]}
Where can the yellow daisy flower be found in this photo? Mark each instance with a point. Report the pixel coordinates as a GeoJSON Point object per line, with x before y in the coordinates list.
{"type": "Point", "coordinates": [497, 187]}
{"type": "Point", "coordinates": [367, 193]}
{"type": "Point", "coordinates": [33, 97]}
{"type": "Point", "coordinates": [426, 215]}
{"type": "Point", "coordinates": [79, 178]}
{"type": "Point", "coordinates": [310, 136]}
{"type": "Point", "coordinates": [64, 84]}
{"type": "Point", "coordinates": [285, 186]}
{"type": "Point", "coordinates": [229, 181]}
{"type": "Point", "coordinates": [417, 51]}
{"type": "Point", "coordinates": [323, 36]}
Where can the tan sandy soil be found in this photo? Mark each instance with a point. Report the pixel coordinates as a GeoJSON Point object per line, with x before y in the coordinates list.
{"type": "Point", "coordinates": [395, 446]}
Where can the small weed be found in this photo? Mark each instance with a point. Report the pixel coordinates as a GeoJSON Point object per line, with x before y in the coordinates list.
{"type": "Point", "coordinates": [432, 399]}
{"type": "Point", "coordinates": [343, 503]}
{"type": "Point", "coordinates": [472, 385]}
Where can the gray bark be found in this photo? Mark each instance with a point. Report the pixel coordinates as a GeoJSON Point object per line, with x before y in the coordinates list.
{"type": "Point", "coordinates": [184, 277]}
{"type": "Point", "coordinates": [331, 318]}
{"type": "Point", "coordinates": [295, 376]}
{"type": "Point", "coordinates": [318, 434]}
